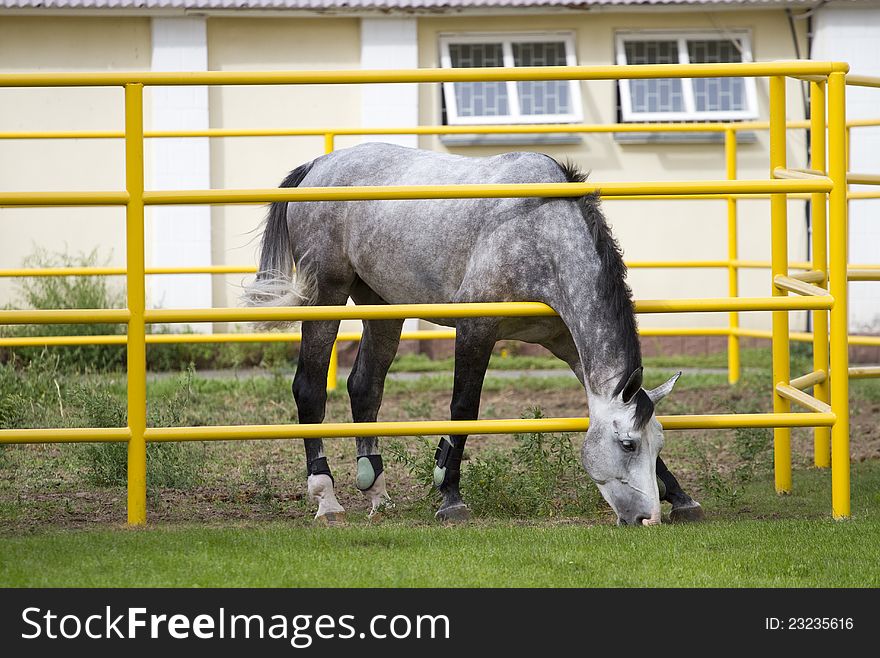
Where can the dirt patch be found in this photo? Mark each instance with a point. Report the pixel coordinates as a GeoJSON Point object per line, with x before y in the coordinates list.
{"type": "Point", "coordinates": [245, 481]}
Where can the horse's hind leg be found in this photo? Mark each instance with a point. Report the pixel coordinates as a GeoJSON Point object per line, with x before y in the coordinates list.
{"type": "Point", "coordinates": [310, 393]}
{"type": "Point", "coordinates": [474, 341]}
{"type": "Point", "coordinates": [366, 384]}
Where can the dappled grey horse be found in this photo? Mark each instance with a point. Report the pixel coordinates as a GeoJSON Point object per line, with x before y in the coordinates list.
{"type": "Point", "coordinates": [556, 251]}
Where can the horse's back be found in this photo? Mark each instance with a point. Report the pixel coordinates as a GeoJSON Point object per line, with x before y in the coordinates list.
{"type": "Point", "coordinates": [378, 163]}
{"type": "Point", "coordinates": [436, 250]}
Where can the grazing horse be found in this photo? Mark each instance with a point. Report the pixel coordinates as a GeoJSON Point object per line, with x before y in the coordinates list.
{"type": "Point", "coordinates": [557, 251]}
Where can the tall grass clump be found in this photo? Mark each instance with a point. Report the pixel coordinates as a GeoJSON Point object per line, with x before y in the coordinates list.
{"type": "Point", "coordinates": [753, 448]}
{"type": "Point", "coordinates": [86, 292]}
{"type": "Point", "coordinates": [541, 477]}
{"type": "Point", "coordinates": [169, 465]}
{"type": "Point", "coordinates": [67, 292]}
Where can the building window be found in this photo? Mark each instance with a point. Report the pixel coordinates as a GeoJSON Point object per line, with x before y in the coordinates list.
{"type": "Point", "coordinates": [686, 99]}
{"type": "Point", "coordinates": [545, 101]}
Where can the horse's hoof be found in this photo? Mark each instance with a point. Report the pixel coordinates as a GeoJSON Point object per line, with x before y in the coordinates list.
{"type": "Point", "coordinates": [687, 513]}
{"type": "Point", "coordinates": [454, 513]}
{"type": "Point", "coordinates": [331, 519]}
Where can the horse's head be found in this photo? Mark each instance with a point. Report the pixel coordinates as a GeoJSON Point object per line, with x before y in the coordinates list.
{"type": "Point", "coordinates": [621, 448]}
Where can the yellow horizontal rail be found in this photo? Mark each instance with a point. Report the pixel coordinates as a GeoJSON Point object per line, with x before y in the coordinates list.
{"type": "Point", "coordinates": [63, 198]}
{"type": "Point", "coordinates": [809, 276]}
{"type": "Point", "coordinates": [402, 428]}
{"type": "Point", "coordinates": [474, 427]}
{"type": "Point", "coordinates": [66, 435]}
{"type": "Point", "coordinates": [798, 286]}
{"type": "Point", "coordinates": [537, 128]}
{"type": "Point", "coordinates": [470, 310]}
{"type": "Point", "coordinates": [810, 379]}
{"type": "Point", "coordinates": [716, 189]}
{"type": "Point", "coordinates": [863, 81]}
{"type": "Point", "coordinates": [863, 179]}
{"type": "Point", "coordinates": [798, 174]}
{"type": "Point", "coordinates": [379, 76]}
{"type": "Point", "coordinates": [66, 316]}
{"type": "Point", "coordinates": [734, 304]}
{"type": "Point", "coordinates": [798, 336]}
{"type": "Point", "coordinates": [802, 196]}
{"type": "Point", "coordinates": [860, 123]}
{"type": "Point", "coordinates": [403, 192]}
{"type": "Point", "coordinates": [120, 271]}
{"type": "Point", "coordinates": [69, 341]}
{"type": "Point", "coordinates": [765, 264]}
{"type": "Point", "coordinates": [864, 372]}
{"type": "Point", "coordinates": [856, 274]}
{"type": "Point", "coordinates": [364, 312]}
{"type": "Point", "coordinates": [804, 399]}
{"type": "Point", "coordinates": [804, 337]}
{"type": "Point", "coordinates": [422, 334]}
{"type": "Point", "coordinates": [673, 264]}
{"type": "Point", "coordinates": [288, 337]}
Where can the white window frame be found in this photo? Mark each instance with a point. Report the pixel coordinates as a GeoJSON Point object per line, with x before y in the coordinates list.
{"type": "Point", "coordinates": [690, 112]}
{"type": "Point", "coordinates": [507, 39]}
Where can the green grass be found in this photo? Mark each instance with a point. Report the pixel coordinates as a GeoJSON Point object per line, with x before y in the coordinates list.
{"type": "Point", "coordinates": [243, 520]}
{"type": "Point", "coordinates": [744, 554]}
{"type": "Point", "coordinates": [770, 541]}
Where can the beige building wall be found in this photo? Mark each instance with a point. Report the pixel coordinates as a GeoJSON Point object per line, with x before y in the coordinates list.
{"type": "Point", "coordinates": [44, 43]}
{"type": "Point", "coordinates": [657, 230]}
{"type": "Point", "coordinates": [261, 44]}
{"type": "Point", "coordinates": [647, 230]}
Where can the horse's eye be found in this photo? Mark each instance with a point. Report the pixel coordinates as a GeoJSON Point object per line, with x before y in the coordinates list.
{"type": "Point", "coordinates": [628, 445]}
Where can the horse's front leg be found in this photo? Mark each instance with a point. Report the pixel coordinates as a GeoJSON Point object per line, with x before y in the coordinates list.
{"type": "Point", "coordinates": [684, 508]}
{"type": "Point", "coordinates": [474, 341]}
{"type": "Point", "coordinates": [366, 384]}
{"type": "Point", "coordinates": [310, 393]}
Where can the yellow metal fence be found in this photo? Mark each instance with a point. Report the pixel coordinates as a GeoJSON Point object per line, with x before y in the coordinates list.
{"type": "Point", "coordinates": [733, 264]}
{"type": "Point", "coordinates": [827, 408]}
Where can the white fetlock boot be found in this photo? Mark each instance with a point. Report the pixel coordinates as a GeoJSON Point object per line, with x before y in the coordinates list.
{"type": "Point", "coordinates": [330, 512]}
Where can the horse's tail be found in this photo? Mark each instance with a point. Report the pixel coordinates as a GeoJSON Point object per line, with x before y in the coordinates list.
{"type": "Point", "coordinates": [276, 283]}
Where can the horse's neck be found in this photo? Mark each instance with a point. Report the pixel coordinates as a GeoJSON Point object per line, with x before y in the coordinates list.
{"type": "Point", "coordinates": [602, 347]}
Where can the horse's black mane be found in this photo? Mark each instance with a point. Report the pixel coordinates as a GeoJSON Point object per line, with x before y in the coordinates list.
{"type": "Point", "coordinates": [613, 289]}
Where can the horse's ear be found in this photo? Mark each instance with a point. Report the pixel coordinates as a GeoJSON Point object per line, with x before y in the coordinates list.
{"type": "Point", "coordinates": [657, 394]}
{"type": "Point", "coordinates": [632, 386]}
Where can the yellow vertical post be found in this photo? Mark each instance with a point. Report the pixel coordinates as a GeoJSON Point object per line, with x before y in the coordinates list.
{"type": "Point", "coordinates": [135, 290]}
{"type": "Point", "coordinates": [733, 360]}
{"type": "Point", "coordinates": [848, 169]}
{"type": "Point", "coordinates": [837, 251]}
{"type": "Point", "coordinates": [818, 223]}
{"type": "Point", "coordinates": [333, 369]}
{"type": "Point", "coordinates": [779, 265]}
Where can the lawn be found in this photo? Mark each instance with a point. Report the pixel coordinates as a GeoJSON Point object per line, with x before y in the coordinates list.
{"type": "Point", "coordinates": [234, 513]}
{"type": "Point", "coordinates": [788, 550]}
